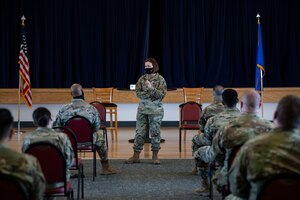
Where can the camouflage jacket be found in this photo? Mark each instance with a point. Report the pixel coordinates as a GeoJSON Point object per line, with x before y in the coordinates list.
{"type": "Point", "coordinates": [25, 168]}
{"type": "Point", "coordinates": [78, 107]}
{"type": "Point", "coordinates": [263, 158]}
{"type": "Point", "coordinates": [60, 140]}
{"type": "Point", "coordinates": [216, 122]}
{"type": "Point", "coordinates": [236, 133]}
{"type": "Point", "coordinates": [151, 97]}
{"type": "Point", "coordinates": [210, 111]}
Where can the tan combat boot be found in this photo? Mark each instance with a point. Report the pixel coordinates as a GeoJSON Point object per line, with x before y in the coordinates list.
{"type": "Point", "coordinates": [204, 189]}
{"type": "Point", "coordinates": [134, 159]}
{"type": "Point", "coordinates": [155, 158]}
{"type": "Point", "coordinates": [106, 170]}
{"type": "Point", "coordinates": [195, 169]}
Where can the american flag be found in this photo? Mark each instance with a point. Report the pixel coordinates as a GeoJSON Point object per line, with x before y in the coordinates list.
{"type": "Point", "coordinates": [25, 86]}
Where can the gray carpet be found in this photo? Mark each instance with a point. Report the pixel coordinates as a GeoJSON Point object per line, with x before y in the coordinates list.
{"type": "Point", "coordinates": [170, 180]}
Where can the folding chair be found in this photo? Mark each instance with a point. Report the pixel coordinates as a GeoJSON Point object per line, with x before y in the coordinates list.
{"type": "Point", "coordinates": [189, 117]}
{"type": "Point", "coordinates": [83, 130]}
{"type": "Point", "coordinates": [77, 164]}
{"type": "Point", "coordinates": [212, 167]}
{"type": "Point", "coordinates": [102, 111]}
{"type": "Point", "coordinates": [226, 188]}
{"type": "Point", "coordinates": [12, 188]}
{"type": "Point", "coordinates": [283, 186]}
{"type": "Point", "coordinates": [53, 164]}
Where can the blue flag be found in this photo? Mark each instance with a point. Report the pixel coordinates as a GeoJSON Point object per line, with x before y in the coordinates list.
{"type": "Point", "coordinates": [260, 65]}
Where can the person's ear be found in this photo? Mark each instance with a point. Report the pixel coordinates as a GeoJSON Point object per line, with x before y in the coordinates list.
{"type": "Point", "coordinates": [275, 115]}
{"type": "Point", "coordinates": [260, 103]}
{"type": "Point", "coordinates": [275, 119]}
{"type": "Point", "coordinates": [11, 133]}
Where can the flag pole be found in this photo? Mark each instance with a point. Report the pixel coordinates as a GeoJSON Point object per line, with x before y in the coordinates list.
{"type": "Point", "coordinates": [262, 94]}
{"type": "Point", "coordinates": [19, 105]}
{"type": "Point", "coordinates": [261, 78]}
{"type": "Point", "coordinates": [19, 91]}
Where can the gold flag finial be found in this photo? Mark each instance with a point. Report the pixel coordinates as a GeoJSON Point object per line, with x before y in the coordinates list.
{"type": "Point", "coordinates": [23, 20]}
{"type": "Point", "coordinates": [258, 17]}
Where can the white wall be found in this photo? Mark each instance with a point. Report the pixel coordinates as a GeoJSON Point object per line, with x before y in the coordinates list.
{"type": "Point", "coordinates": [126, 112]}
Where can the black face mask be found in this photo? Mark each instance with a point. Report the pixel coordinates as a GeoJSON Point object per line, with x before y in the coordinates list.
{"type": "Point", "coordinates": [81, 96]}
{"type": "Point", "coordinates": [149, 70]}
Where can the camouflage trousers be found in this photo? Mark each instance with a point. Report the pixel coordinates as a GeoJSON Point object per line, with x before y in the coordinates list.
{"type": "Point", "coordinates": [100, 144]}
{"type": "Point", "coordinates": [203, 160]}
{"type": "Point", "coordinates": [204, 154]}
{"type": "Point", "coordinates": [144, 123]}
{"type": "Point", "coordinates": [197, 142]}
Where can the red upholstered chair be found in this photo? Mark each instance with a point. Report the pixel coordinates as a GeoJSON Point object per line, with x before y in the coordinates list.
{"type": "Point", "coordinates": [281, 187]}
{"type": "Point", "coordinates": [102, 111]}
{"type": "Point", "coordinates": [77, 164]}
{"type": "Point", "coordinates": [189, 117]}
{"type": "Point", "coordinates": [12, 188]}
{"type": "Point", "coordinates": [83, 130]}
{"type": "Point", "coordinates": [53, 164]}
{"type": "Point", "coordinates": [212, 168]}
{"type": "Point", "coordinates": [226, 188]}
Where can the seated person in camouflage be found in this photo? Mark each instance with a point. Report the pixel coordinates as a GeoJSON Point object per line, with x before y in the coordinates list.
{"type": "Point", "coordinates": [269, 155]}
{"type": "Point", "coordinates": [41, 118]}
{"type": "Point", "coordinates": [235, 133]}
{"type": "Point", "coordinates": [208, 112]}
{"type": "Point", "coordinates": [23, 167]}
{"type": "Point", "coordinates": [230, 100]}
{"type": "Point", "coordinates": [214, 108]}
{"type": "Point", "coordinates": [79, 107]}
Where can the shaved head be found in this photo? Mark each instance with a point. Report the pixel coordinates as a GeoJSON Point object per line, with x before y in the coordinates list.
{"type": "Point", "coordinates": [76, 90]}
{"type": "Point", "coordinates": [251, 101]}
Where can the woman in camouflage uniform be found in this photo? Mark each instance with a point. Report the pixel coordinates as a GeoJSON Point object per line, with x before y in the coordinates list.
{"type": "Point", "coordinates": [151, 88]}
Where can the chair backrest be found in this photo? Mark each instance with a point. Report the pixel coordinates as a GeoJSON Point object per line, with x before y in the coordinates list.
{"type": "Point", "coordinates": [233, 154]}
{"type": "Point", "coordinates": [82, 128]}
{"type": "Point", "coordinates": [72, 138]}
{"type": "Point", "coordinates": [101, 109]}
{"type": "Point", "coordinates": [12, 188]}
{"type": "Point", "coordinates": [52, 161]}
{"type": "Point", "coordinates": [281, 187]}
{"type": "Point", "coordinates": [103, 95]}
{"type": "Point", "coordinates": [192, 94]}
{"type": "Point", "coordinates": [190, 112]}
{"type": "Point", "coordinates": [226, 188]}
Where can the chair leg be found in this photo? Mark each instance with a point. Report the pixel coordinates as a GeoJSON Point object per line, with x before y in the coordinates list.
{"type": "Point", "coordinates": [179, 140]}
{"type": "Point", "coordinates": [116, 123]}
{"type": "Point", "coordinates": [105, 133]}
{"type": "Point", "coordinates": [71, 194]}
{"type": "Point", "coordinates": [111, 123]}
{"type": "Point", "coordinates": [210, 182]}
{"type": "Point", "coordinates": [94, 162]}
{"type": "Point", "coordinates": [82, 178]}
{"type": "Point", "coordinates": [78, 186]}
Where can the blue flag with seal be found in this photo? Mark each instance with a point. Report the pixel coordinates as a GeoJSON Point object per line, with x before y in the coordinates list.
{"type": "Point", "coordinates": [260, 65]}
